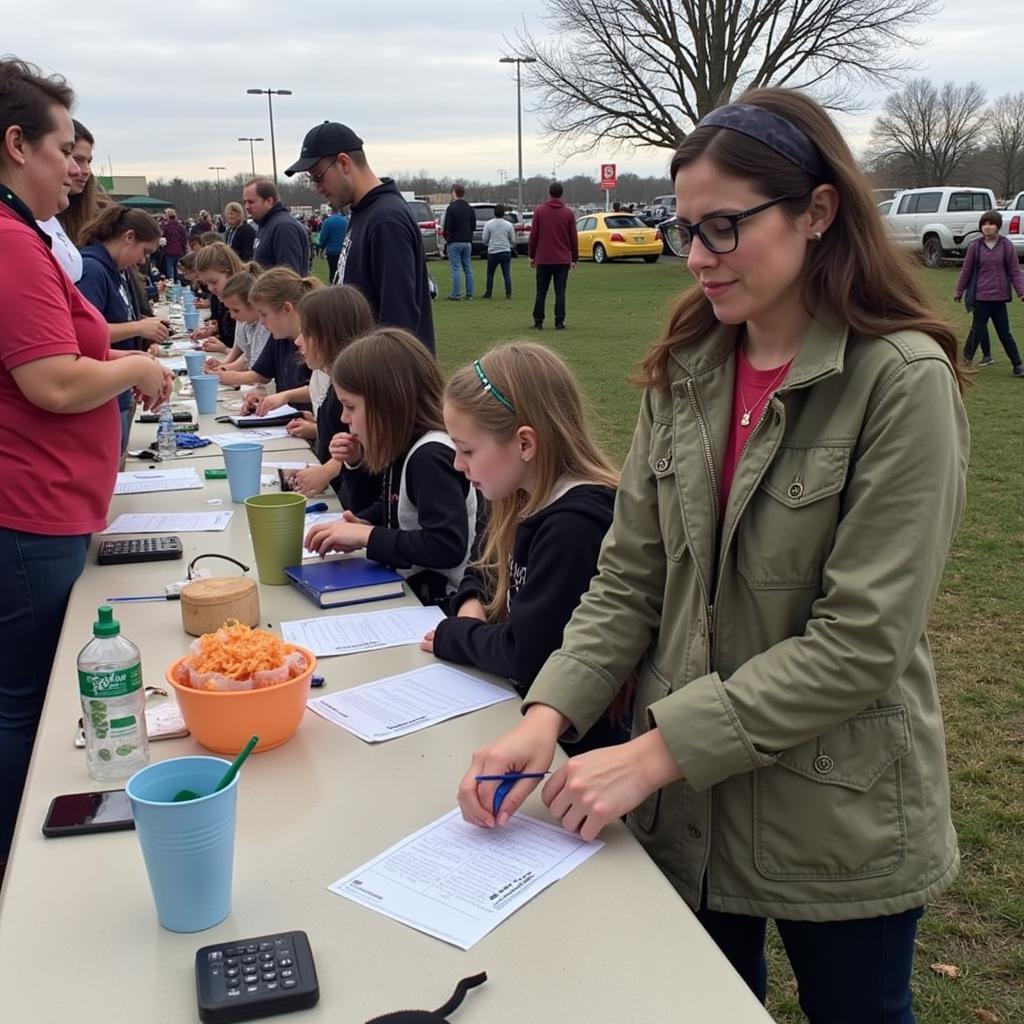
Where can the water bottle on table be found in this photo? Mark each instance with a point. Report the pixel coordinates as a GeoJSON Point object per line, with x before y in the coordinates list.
{"type": "Point", "coordinates": [166, 439]}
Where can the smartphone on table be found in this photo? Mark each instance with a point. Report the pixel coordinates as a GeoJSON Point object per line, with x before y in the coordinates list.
{"type": "Point", "coordinates": [74, 814]}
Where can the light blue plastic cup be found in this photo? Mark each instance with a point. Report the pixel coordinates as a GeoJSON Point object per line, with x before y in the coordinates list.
{"type": "Point", "coordinates": [204, 388]}
{"type": "Point", "coordinates": [243, 461]}
{"type": "Point", "coordinates": [191, 317]}
{"type": "Point", "coordinates": [188, 847]}
{"type": "Point", "coordinates": [194, 363]}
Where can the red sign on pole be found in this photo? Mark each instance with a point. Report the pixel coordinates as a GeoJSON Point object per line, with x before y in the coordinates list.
{"type": "Point", "coordinates": [608, 177]}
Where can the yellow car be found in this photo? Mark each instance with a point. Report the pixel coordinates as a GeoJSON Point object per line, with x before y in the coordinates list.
{"type": "Point", "coordinates": [617, 236]}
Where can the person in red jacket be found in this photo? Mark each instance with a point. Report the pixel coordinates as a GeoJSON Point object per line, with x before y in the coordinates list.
{"type": "Point", "coordinates": [554, 251]}
{"type": "Point", "coordinates": [175, 235]}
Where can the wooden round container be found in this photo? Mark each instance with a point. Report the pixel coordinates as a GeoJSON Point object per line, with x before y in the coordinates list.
{"type": "Point", "coordinates": [207, 604]}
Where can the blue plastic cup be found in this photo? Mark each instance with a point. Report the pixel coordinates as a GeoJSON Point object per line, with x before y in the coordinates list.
{"type": "Point", "coordinates": [191, 318]}
{"type": "Point", "coordinates": [194, 363]}
{"type": "Point", "coordinates": [188, 847]}
{"type": "Point", "coordinates": [204, 387]}
{"type": "Point", "coordinates": [243, 461]}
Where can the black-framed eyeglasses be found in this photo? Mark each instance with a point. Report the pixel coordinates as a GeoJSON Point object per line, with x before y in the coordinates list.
{"type": "Point", "coordinates": [719, 234]}
{"type": "Point", "coordinates": [315, 179]}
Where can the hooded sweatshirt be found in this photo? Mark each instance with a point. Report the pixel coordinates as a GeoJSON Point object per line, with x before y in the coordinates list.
{"type": "Point", "coordinates": [554, 558]}
{"type": "Point", "coordinates": [382, 256]}
{"type": "Point", "coordinates": [281, 241]}
{"type": "Point", "coordinates": [553, 240]}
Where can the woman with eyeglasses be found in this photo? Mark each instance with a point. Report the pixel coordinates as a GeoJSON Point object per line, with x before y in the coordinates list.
{"type": "Point", "coordinates": [784, 516]}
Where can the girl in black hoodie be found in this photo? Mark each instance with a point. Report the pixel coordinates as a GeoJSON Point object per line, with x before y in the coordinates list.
{"type": "Point", "coordinates": [520, 436]}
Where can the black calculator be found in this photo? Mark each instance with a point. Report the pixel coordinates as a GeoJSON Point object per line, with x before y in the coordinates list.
{"type": "Point", "coordinates": [252, 978]}
{"type": "Point", "coordinates": [139, 549]}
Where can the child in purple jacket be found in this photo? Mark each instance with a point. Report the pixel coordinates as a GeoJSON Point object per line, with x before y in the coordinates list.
{"type": "Point", "coordinates": [991, 267]}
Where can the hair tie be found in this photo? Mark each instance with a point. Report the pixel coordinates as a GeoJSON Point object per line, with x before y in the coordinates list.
{"type": "Point", "coordinates": [489, 387]}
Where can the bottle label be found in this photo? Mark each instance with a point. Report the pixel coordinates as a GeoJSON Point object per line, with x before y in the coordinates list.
{"type": "Point", "coordinates": [117, 683]}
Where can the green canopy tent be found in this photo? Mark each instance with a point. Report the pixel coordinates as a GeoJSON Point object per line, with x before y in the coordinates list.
{"type": "Point", "coordinates": [145, 203]}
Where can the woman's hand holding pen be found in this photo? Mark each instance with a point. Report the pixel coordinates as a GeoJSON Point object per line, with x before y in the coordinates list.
{"type": "Point", "coordinates": [529, 747]}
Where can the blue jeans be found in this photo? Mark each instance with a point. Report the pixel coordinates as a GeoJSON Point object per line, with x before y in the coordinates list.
{"type": "Point", "coordinates": [460, 256]}
{"type": "Point", "coordinates": [848, 972]}
{"type": "Point", "coordinates": [997, 312]}
{"type": "Point", "coordinates": [495, 260]}
{"type": "Point", "coordinates": [171, 267]}
{"type": "Point", "coordinates": [38, 572]}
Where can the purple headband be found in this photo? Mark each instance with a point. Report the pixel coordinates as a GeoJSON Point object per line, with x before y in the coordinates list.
{"type": "Point", "coordinates": [773, 131]}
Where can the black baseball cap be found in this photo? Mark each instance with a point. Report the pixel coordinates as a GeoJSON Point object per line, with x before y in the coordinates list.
{"type": "Point", "coordinates": [327, 139]}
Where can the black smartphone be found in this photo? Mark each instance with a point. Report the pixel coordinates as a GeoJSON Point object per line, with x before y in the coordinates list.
{"type": "Point", "coordinates": [74, 814]}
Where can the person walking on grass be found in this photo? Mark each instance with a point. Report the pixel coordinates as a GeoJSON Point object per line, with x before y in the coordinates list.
{"type": "Point", "coordinates": [990, 269]}
{"type": "Point", "coordinates": [500, 238]}
{"type": "Point", "coordinates": [459, 225]}
{"type": "Point", "coordinates": [554, 251]}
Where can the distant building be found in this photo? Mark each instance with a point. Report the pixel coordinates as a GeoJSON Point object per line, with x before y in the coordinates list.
{"type": "Point", "coordinates": [121, 186]}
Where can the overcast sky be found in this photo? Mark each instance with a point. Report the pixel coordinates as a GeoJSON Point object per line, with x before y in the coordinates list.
{"type": "Point", "coordinates": [162, 87]}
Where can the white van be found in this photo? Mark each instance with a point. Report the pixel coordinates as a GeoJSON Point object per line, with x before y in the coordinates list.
{"type": "Point", "coordinates": [938, 222]}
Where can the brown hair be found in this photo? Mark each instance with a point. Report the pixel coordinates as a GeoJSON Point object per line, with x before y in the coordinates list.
{"type": "Point", "coordinates": [278, 285]}
{"type": "Point", "coordinates": [545, 396]}
{"type": "Point", "coordinates": [458, 190]}
{"type": "Point", "coordinates": [401, 385]}
{"type": "Point", "coordinates": [856, 267]}
{"type": "Point", "coordinates": [188, 261]}
{"type": "Point", "coordinates": [240, 286]}
{"type": "Point", "coordinates": [221, 258]}
{"type": "Point", "coordinates": [990, 217]}
{"type": "Point", "coordinates": [210, 238]}
{"type": "Point", "coordinates": [114, 220]}
{"type": "Point", "coordinates": [27, 96]}
{"type": "Point", "coordinates": [84, 206]}
{"type": "Point", "coordinates": [264, 189]}
{"type": "Point", "coordinates": [333, 317]}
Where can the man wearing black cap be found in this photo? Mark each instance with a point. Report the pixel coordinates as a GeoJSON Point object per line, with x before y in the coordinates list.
{"type": "Point", "coordinates": [382, 254]}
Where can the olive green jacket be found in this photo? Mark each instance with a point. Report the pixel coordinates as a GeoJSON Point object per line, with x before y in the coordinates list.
{"type": "Point", "coordinates": [784, 657]}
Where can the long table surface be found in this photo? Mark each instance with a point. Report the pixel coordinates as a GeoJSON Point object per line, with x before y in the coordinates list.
{"type": "Point", "coordinates": [79, 940]}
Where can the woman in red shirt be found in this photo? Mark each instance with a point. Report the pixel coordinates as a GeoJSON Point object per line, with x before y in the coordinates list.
{"type": "Point", "coordinates": [59, 434]}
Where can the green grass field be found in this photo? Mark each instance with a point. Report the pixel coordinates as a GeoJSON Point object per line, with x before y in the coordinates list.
{"type": "Point", "coordinates": [613, 313]}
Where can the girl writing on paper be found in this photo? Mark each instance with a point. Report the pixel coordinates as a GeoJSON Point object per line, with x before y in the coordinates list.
{"type": "Point", "coordinates": [422, 525]}
{"type": "Point", "coordinates": [780, 530]}
{"type": "Point", "coordinates": [516, 419]}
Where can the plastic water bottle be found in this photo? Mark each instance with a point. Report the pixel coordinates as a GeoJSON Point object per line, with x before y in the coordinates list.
{"type": "Point", "coordinates": [113, 702]}
{"type": "Point", "coordinates": [166, 439]}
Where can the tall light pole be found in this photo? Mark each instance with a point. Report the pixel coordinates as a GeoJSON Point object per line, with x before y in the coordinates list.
{"type": "Point", "coordinates": [270, 94]}
{"type": "Point", "coordinates": [519, 62]}
{"type": "Point", "coordinates": [502, 178]}
{"type": "Point", "coordinates": [218, 169]}
{"type": "Point", "coordinates": [252, 152]}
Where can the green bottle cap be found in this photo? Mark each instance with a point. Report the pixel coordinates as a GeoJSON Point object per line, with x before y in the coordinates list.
{"type": "Point", "coordinates": [106, 625]}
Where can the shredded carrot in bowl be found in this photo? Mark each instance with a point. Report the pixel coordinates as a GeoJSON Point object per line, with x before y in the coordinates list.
{"type": "Point", "coordinates": [238, 651]}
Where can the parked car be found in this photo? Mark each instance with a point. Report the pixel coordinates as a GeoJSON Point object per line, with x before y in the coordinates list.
{"type": "Point", "coordinates": [885, 207]}
{"type": "Point", "coordinates": [614, 236]}
{"type": "Point", "coordinates": [939, 222]}
{"type": "Point", "coordinates": [1013, 223]}
{"type": "Point", "coordinates": [428, 223]}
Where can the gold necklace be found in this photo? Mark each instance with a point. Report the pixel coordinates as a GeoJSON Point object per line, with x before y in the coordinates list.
{"type": "Point", "coordinates": [745, 418]}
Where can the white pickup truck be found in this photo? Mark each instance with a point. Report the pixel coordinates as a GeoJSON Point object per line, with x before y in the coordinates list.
{"type": "Point", "coordinates": [938, 222]}
{"type": "Point", "coordinates": [1013, 223]}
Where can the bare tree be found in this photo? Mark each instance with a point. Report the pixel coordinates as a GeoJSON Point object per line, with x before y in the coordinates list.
{"type": "Point", "coordinates": [930, 132]}
{"type": "Point", "coordinates": [643, 72]}
{"type": "Point", "coordinates": [1006, 140]}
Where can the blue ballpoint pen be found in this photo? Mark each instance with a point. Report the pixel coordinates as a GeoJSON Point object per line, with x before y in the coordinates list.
{"type": "Point", "coordinates": [317, 506]}
{"type": "Point", "coordinates": [507, 780]}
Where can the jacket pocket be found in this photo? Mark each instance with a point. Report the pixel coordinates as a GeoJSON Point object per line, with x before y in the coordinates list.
{"type": "Point", "coordinates": [651, 686]}
{"type": "Point", "coordinates": [789, 525]}
{"type": "Point", "coordinates": [832, 808]}
{"type": "Point", "coordinates": [670, 513]}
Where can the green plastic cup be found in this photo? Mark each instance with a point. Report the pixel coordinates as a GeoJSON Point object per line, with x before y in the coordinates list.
{"type": "Point", "coordinates": [276, 525]}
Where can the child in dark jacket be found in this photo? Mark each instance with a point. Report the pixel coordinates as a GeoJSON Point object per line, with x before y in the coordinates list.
{"type": "Point", "coordinates": [520, 435]}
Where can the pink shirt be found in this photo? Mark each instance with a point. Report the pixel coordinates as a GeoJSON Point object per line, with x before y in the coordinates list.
{"type": "Point", "coordinates": [58, 469]}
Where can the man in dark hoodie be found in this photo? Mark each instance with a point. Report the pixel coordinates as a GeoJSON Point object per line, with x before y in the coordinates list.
{"type": "Point", "coordinates": [382, 254]}
{"type": "Point", "coordinates": [554, 251]}
{"type": "Point", "coordinates": [281, 241]}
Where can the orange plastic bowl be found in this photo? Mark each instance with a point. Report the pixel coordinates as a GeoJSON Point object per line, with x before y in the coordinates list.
{"type": "Point", "coordinates": [223, 722]}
